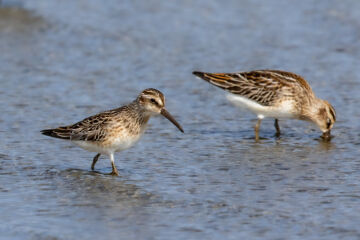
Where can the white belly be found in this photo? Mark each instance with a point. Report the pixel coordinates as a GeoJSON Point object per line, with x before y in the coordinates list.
{"type": "Point", "coordinates": [280, 112]}
{"type": "Point", "coordinates": [117, 145]}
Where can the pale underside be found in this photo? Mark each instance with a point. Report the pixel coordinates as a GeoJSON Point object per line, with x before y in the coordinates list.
{"type": "Point", "coordinates": [108, 132]}
{"type": "Point", "coordinates": [282, 110]}
{"type": "Point", "coordinates": [267, 93]}
{"type": "Point", "coordinates": [117, 145]}
{"type": "Point", "coordinates": [115, 142]}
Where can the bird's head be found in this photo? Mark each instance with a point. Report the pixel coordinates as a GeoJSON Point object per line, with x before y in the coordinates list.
{"type": "Point", "coordinates": [153, 103]}
{"type": "Point", "coordinates": [325, 118]}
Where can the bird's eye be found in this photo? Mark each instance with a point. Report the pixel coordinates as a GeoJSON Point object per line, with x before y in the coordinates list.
{"type": "Point", "coordinates": [328, 123]}
{"type": "Point", "coordinates": [153, 101]}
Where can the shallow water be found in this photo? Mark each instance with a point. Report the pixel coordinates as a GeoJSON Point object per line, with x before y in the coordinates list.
{"type": "Point", "coordinates": [64, 60]}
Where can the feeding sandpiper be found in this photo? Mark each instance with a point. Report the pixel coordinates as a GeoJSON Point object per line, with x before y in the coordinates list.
{"type": "Point", "coordinates": [115, 130]}
{"type": "Point", "coordinates": [276, 94]}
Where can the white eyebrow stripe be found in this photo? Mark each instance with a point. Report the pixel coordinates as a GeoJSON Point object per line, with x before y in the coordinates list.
{"type": "Point", "coordinates": [162, 104]}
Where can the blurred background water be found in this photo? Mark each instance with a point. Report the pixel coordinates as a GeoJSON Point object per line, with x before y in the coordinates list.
{"type": "Point", "coordinates": [61, 61]}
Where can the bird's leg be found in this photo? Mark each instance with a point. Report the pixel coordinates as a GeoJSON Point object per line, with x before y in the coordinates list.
{"type": "Point", "coordinates": [276, 124]}
{"type": "Point", "coordinates": [257, 127]}
{"type": "Point", "coordinates": [114, 170]}
{"type": "Point", "coordinates": [94, 161]}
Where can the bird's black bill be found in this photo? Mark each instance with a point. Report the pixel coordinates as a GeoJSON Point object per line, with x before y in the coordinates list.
{"type": "Point", "coordinates": [326, 136]}
{"type": "Point", "coordinates": [171, 119]}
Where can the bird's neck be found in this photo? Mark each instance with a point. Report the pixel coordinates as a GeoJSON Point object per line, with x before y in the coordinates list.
{"type": "Point", "coordinates": [311, 108]}
{"type": "Point", "coordinates": [143, 116]}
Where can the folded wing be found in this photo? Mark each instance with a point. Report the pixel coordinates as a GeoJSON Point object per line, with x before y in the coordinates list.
{"type": "Point", "coordinates": [90, 129]}
{"type": "Point", "coordinates": [262, 86]}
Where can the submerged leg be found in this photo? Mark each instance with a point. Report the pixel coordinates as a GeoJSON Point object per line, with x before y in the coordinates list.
{"type": "Point", "coordinates": [114, 170]}
{"type": "Point", "coordinates": [276, 124]}
{"type": "Point", "coordinates": [94, 161]}
{"type": "Point", "coordinates": [257, 127]}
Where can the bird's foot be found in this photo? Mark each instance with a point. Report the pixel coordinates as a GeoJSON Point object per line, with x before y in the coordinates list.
{"type": "Point", "coordinates": [114, 173]}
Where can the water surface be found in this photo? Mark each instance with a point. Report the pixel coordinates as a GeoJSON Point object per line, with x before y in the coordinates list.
{"type": "Point", "coordinates": [64, 60]}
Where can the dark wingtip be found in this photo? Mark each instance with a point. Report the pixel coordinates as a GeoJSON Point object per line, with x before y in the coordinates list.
{"type": "Point", "coordinates": [56, 133]}
{"type": "Point", "coordinates": [47, 132]}
{"type": "Point", "coordinates": [197, 73]}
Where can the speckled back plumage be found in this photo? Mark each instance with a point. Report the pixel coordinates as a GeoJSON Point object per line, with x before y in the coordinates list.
{"type": "Point", "coordinates": [277, 94]}
{"type": "Point", "coordinates": [263, 86]}
{"type": "Point", "coordinates": [98, 127]}
{"type": "Point", "coordinates": [115, 130]}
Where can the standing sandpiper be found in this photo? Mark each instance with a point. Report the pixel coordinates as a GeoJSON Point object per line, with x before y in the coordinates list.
{"type": "Point", "coordinates": [115, 130]}
{"type": "Point", "coordinates": [276, 94]}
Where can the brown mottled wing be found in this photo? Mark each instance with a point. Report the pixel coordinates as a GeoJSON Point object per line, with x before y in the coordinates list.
{"type": "Point", "coordinates": [290, 78]}
{"type": "Point", "coordinates": [93, 128]}
{"type": "Point", "coordinates": [262, 86]}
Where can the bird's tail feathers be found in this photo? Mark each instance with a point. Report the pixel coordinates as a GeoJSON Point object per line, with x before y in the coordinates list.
{"type": "Point", "coordinates": [61, 132]}
{"type": "Point", "coordinates": [221, 80]}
